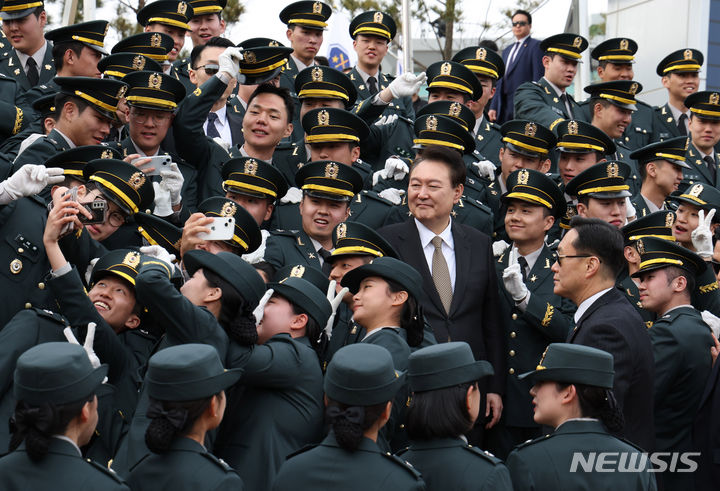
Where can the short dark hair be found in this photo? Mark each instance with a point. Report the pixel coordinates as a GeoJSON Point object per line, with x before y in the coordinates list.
{"type": "Point", "coordinates": [38, 10]}
{"type": "Point", "coordinates": [440, 413]}
{"type": "Point", "coordinates": [322, 60]}
{"type": "Point", "coordinates": [523, 12]}
{"type": "Point", "coordinates": [282, 92]}
{"type": "Point", "coordinates": [61, 99]}
{"type": "Point", "coordinates": [673, 272]}
{"type": "Point", "coordinates": [217, 42]}
{"type": "Point", "coordinates": [59, 49]}
{"type": "Point", "coordinates": [488, 44]}
{"type": "Point", "coordinates": [599, 238]}
{"type": "Point", "coordinates": [451, 159]}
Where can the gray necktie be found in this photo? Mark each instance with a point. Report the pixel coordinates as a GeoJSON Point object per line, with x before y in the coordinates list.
{"type": "Point", "coordinates": [441, 274]}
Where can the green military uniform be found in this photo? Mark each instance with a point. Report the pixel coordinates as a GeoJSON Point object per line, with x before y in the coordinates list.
{"type": "Point", "coordinates": [291, 247]}
{"type": "Point", "coordinates": [185, 373]}
{"type": "Point", "coordinates": [182, 69]}
{"type": "Point", "coordinates": [154, 45]}
{"type": "Point", "coordinates": [704, 105]}
{"type": "Point", "coordinates": [488, 141]}
{"type": "Point", "coordinates": [55, 373]}
{"type": "Point", "coordinates": [548, 462]}
{"type": "Point", "coordinates": [681, 347]}
{"type": "Point", "coordinates": [246, 234]}
{"type": "Point", "coordinates": [14, 118]}
{"type": "Point", "coordinates": [358, 375]}
{"type": "Point", "coordinates": [173, 13]}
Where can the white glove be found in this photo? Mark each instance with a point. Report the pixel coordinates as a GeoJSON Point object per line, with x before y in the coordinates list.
{"type": "Point", "coordinates": [512, 278]}
{"type": "Point", "coordinates": [89, 270]}
{"type": "Point", "coordinates": [712, 321]}
{"type": "Point", "coordinates": [163, 208]}
{"type": "Point", "coordinates": [172, 180]}
{"type": "Point", "coordinates": [406, 84]}
{"type": "Point", "coordinates": [229, 61]}
{"type": "Point", "coordinates": [396, 168]}
{"type": "Point", "coordinates": [702, 236]}
{"type": "Point", "coordinates": [28, 180]}
{"type": "Point", "coordinates": [393, 195]}
{"type": "Point", "coordinates": [389, 119]}
{"type": "Point", "coordinates": [88, 346]}
{"type": "Point", "coordinates": [486, 169]}
{"type": "Point", "coordinates": [629, 209]}
{"type": "Point", "coordinates": [259, 311]}
{"type": "Point", "coordinates": [222, 143]}
{"type": "Point", "coordinates": [159, 252]}
{"type": "Point", "coordinates": [499, 247]}
{"type": "Point", "coordinates": [293, 195]}
{"type": "Point", "coordinates": [335, 301]}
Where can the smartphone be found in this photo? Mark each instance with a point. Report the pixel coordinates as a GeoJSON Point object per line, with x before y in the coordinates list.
{"type": "Point", "coordinates": [98, 209]}
{"type": "Point", "coordinates": [158, 163]}
{"type": "Point", "coordinates": [221, 228]}
{"type": "Point", "coordinates": [69, 227]}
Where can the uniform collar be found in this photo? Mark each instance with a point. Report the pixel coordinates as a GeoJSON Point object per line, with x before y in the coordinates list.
{"type": "Point", "coordinates": [427, 235]}
{"type": "Point", "coordinates": [366, 444]}
{"type": "Point", "coordinates": [585, 304]}
{"type": "Point", "coordinates": [67, 139]}
{"type": "Point", "coordinates": [557, 89]}
{"type": "Point", "coordinates": [68, 441]}
{"type": "Point", "coordinates": [365, 76]}
{"type": "Point", "coordinates": [38, 56]}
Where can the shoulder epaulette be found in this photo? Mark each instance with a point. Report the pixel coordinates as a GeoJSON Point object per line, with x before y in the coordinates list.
{"type": "Point", "coordinates": [105, 470]}
{"type": "Point", "coordinates": [374, 195]}
{"type": "Point", "coordinates": [285, 233]}
{"type": "Point", "coordinates": [483, 453]}
{"type": "Point", "coordinates": [535, 440]}
{"type": "Point", "coordinates": [302, 450]}
{"type": "Point", "coordinates": [54, 316]}
{"type": "Point", "coordinates": [404, 464]}
{"type": "Point", "coordinates": [217, 461]}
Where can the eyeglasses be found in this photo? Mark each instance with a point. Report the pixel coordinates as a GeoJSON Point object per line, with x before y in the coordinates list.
{"type": "Point", "coordinates": [520, 23]}
{"type": "Point", "coordinates": [560, 257]}
{"type": "Point", "coordinates": [210, 69]}
{"type": "Point", "coordinates": [158, 117]}
{"type": "Point", "coordinates": [116, 219]}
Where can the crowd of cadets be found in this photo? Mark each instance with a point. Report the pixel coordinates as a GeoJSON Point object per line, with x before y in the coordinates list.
{"type": "Point", "coordinates": [402, 293]}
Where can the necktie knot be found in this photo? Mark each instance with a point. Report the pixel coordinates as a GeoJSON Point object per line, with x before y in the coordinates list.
{"type": "Point", "coordinates": [212, 130]}
{"type": "Point", "coordinates": [437, 242]}
{"type": "Point", "coordinates": [681, 124]}
{"type": "Point", "coordinates": [372, 85]}
{"type": "Point", "coordinates": [523, 266]}
{"type": "Point", "coordinates": [32, 71]}
{"type": "Point", "coordinates": [212, 117]}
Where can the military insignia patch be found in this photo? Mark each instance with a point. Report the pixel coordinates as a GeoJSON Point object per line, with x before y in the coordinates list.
{"type": "Point", "coordinates": [251, 167]}
{"type": "Point", "coordinates": [633, 88]}
{"type": "Point", "coordinates": [613, 170]}
{"type": "Point", "coordinates": [577, 42]}
{"type": "Point", "coordinates": [138, 63]}
{"type": "Point", "coordinates": [454, 110]}
{"type": "Point", "coordinates": [331, 170]}
{"type": "Point", "coordinates": [530, 129]}
{"type": "Point", "coordinates": [249, 57]}
{"type": "Point", "coordinates": [136, 180]}
{"type": "Point", "coordinates": [445, 69]}
{"type": "Point", "coordinates": [182, 8]}
{"type": "Point", "coordinates": [106, 154]}
{"type": "Point", "coordinates": [155, 41]}
{"type": "Point", "coordinates": [341, 231]}
{"type": "Point", "coordinates": [121, 92]}
{"type": "Point", "coordinates": [640, 246]}
{"type": "Point", "coordinates": [317, 8]}
{"type": "Point", "coordinates": [523, 177]}
{"type": "Point", "coordinates": [297, 271]}
{"type": "Point", "coordinates": [316, 74]}
{"type": "Point", "coordinates": [481, 54]}
{"type": "Point", "coordinates": [378, 17]}
{"type": "Point", "coordinates": [669, 219]}
{"type": "Point", "coordinates": [431, 123]}
{"type": "Point", "coordinates": [624, 44]}
{"type": "Point", "coordinates": [696, 190]}
{"type": "Point", "coordinates": [687, 54]}
{"type": "Point", "coordinates": [228, 210]}
{"type": "Point", "coordinates": [714, 98]}
{"type": "Point", "coordinates": [323, 118]}
{"type": "Point", "coordinates": [155, 81]}
{"type": "Point", "coordinates": [132, 259]}
{"type": "Point", "coordinates": [573, 127]}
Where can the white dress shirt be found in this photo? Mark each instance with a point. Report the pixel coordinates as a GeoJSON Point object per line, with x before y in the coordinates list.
{"type": "Point", "coordinates": [38, 56]}
{"type": "Point", "coordinates": [676, 116]}
{"type": "Point", "coordinates": [221, 124]}
{"type": "Point", "coordinates": [516, 50]}
{"type": "Point", "coordinates": [448, 247]}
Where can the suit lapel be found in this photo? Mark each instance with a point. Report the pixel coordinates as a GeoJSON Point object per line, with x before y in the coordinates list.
{"type": "Point", "coordinates": [357, 80]}
{"type": "Point", "coordinates": [305, 247]}
{"type": "Point", "coordinates": [666, 117]}
{"type": "Point", "coordinates": [462, 264]}
{"type": "Point", "coordinates": [11, 66]}
{"type": "Point", "coordinates": [552, 96]}
{"type": "Point", "coordinates": [541, 269]}
{"type": "Point", "coordinates": [593, 307]}
{"type": "Point", "coordinates": [521, 52]}
{"type": "Point", "coordinates": [416, 258]}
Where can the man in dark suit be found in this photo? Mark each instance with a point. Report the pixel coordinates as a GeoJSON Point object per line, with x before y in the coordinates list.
{"type": "Point", "coordinates": [523, 62]}
{"type": "Point", "coordinates": [459, 282]}
{"type": "Point", "coordinates": [589, 259]}
{"type": "Point", "coordinates": [706, 430]}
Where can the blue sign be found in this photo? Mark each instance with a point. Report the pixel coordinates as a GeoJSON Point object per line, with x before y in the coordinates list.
{"type": "Point", "coordinates": [338, 57]}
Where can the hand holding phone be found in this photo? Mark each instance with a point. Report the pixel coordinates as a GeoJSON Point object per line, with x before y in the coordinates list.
{"type": "Point", "coordinates": [221, 228]}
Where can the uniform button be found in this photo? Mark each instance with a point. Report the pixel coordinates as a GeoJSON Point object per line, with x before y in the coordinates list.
{"type": "Point", "coordinates": [402, 427]}
{"type": "Point", "coordinates": [512, 352]}
{"type": "Point", "coordinates": [511, 371]}
{"type": "Point", "coordinates": [28, 305]}
{"type": "Point", "coordinates": [513, 334]}
{"type": "Point", "coordinates": [41, 285]}
{"type": "Point", "coordinates": [20, 250]}
{"type": "Point", "coordinates": [514, 317]}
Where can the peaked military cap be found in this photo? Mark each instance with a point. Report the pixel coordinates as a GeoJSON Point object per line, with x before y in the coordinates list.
{"type": "Point", "coordinates": [701, 196]}
{"type": "Point", "coordinates": [17, 9]}
{"type": "Point", "coordinates": [362, 375]}
{"type": "Point", "coordinates": [313, 275]}
{"type": "Point", "coordinates": [45, 106]}
{"type": "Point", "coordinates": [154, 45]}
{"type": "Point", "coordinates": [373, 23]}
{"type": "Point", "coordinates": [158, 231]}
{"type": "Point", "coordinates": [169, 12]}
{"type": "Point", "coordinates": [330, 124]}
{"type": "Point", "coordinates": [388, 268]}
{"type": "Point", "coordinates": [681, 61]}
{"type": "Point", "coordinates": [620, 51]}
{"type": "Point", "coordinates": [536, 188]}
{"type": "Point", "coordinates": [658, 253]}
{"type": "Point", "coordinates": [356, 239]}
{"type": "Point", "coordinates": [308, 14]}
{"type": "Point", "coordinates": [74, 160]}
{"type": "Point", "coordinates": [91, 34]}
{"type": "Point", "coordinates": [323, 82]}
{"type": "Point", "coordinates": [481, 61]}
{"type": "Point", "coordinates": [202, 7]}
{"type": "Point", "coordinates": [704, 104]}
{"type": "Point", "coordinates": [253, 177]}
{"type": "Point", "coordinates": [240, 274]}
{"type": "Point", "coordinates": [124, 263]}
{"type": "Point", "coordinates": [658, 224]}
{"type": "Point", "coordinates": [581, 137]}
{"type": "Point", "coordinates": [445, 365]}
{"type": "Point", "coordinates": [188, 372]}
{"type": "Point", "coordinates": [567, 45]}
{"type": "Point", "coordinates": [153, 90]}
{"type": "Point", "coordinates": [329, 180]}
{"type": "Point", "coordinates": [453, 76]}
{"type": "Point", "coordinates": [528, 138]}
{"type": "Point", "coordinates": [120, 64]}
{"type": "Point", "coordinates": [101, 94]}
{"type": "Point", "coordinates": [459, 112]}
{"type": "Point", "coordinates": [305, 295]}
{"type": "Point", "coordinates": [619, 92]}
{"type": "Point", "coordinates": [444, 131]}
{"type": "Point", "coordinates": [263, 59]}
{"type": "Point", "coordinates": [247, 235]}
{"type": "Point", "coordinates": [574, 364]}
{"type": "Point", "coordinates": [122, 183]}
{"type": "Point", "coordinates": [604, 180]}
{"type": "Point", "coordinates": [673, 150]}
{"type": "Point", "coordinates": [56, 373]}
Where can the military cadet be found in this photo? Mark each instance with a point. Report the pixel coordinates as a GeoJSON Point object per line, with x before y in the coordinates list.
{"type": "Point", "coordinates": [29, 60]}
{"type": "Point", "coordinates": [159, 232]}
{"type": "Point", "coordinates": [573, 394]}
{"type": "Point", "coordinates": [280, 408]}
{"type": "Point", "coordinates": [306, 21]}
{"type": "Point", "coordinates": [691, 202]}
{"type": "Point", "coordinates": [661, 166]}
{"type": "Point", "coordinates": [534, 315]}
{"type": "Point", "coordinates": [85, 109]}
{"type": "Point", "coordinates": [702, 158]}
{"type": "Point", "coordinates": [681, 345]}
{"type": "Point", "coordinates": [615, 59]}
{"type": "Point", "coordinates": [489, 67]}
{"type": "Point", "coordinates": [328, 187]}
{"type": "Point", "coordinates": [680, 72]}
{"type": "Point", "coordinates": [186, 385]}
{"type": "Point", "coordinates": [545, 101]}
{"type": "Point", "coordinates": [169, 17]}
{"type": "Point", "coordinates": [360, 385]}
{"type": "Point", "coordinates": [118, 65]}
{"type": "Point", "coordinates": [445, 404]}
{"type": "Point", "coordinates": [56, 386]}
{"type": "Point", "coordinates": [154, 45]}
{"type": "Point", "coordinates": [601, 191]}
